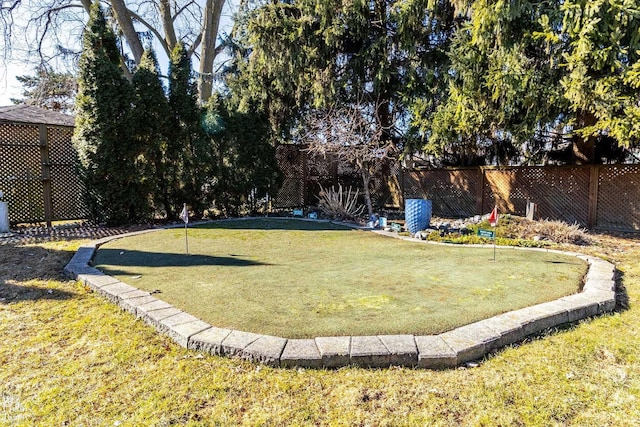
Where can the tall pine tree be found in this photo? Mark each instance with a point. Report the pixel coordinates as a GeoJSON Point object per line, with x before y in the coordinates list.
{"type": "Point", "coordinates": [103, 134]}
{"type": "Point", "coordinates": [190, 149]}
{"type": "Point", "coordinates": [309, 55]}
{"type": "Point", "coordinates": [502, 86]}
{"type": "Point", "coordinates": [247, 170]}
{"type": "Point", "coordinates": [602, 83]}
{"type": "Point", "coordinates": [152, 118]}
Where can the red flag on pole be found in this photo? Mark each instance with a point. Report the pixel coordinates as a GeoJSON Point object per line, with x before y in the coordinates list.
{"type": "Point", "coordinates": [493, 217]}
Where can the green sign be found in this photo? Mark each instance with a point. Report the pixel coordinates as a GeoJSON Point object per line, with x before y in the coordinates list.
{"type": "Point", "coordinates": [486, 233]}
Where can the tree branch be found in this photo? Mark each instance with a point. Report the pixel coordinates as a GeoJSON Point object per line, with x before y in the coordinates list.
{"type": "Point", "coordinates": [123, 16]}
{"type": "Point", "coordinates": [155, 32]}
{"type": "Point", "coordinates": [182, 9]}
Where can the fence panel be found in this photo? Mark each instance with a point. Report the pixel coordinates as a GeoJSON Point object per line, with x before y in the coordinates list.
{"type": "Point", "coordinates": [304, 173]}
{"type": "Point", "coordinates": [29, 163]}
{"type": "Point", "coordinates": [20, 172]}
{"type": "Point", "coordinates": [66, 187]}
{"type": "Point", "coordinates": [605, 197]}
{"type": "Point", "coordinates": [453, 192]}
{"type": "Point", "coordinates": [559, 192]}
{"type": "Point", "coordinates": [291, 162]}
{"type": "Point", "coordinates": [618, 201]}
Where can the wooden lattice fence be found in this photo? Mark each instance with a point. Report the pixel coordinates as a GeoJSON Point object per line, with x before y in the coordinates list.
{"type": "Point", "coordinates": [604, 196]}
{"type": "Point", "coordinates": [304, 173]}
{"type": "Point", "coordinates": [37, 173]}
{"type": "Point", "coordinates": [618, 198]}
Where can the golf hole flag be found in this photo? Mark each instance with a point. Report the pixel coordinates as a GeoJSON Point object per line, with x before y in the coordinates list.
{"type": "Point", "coordinates": [184, 215]}
{"type": "Point", "coordinates": [493, 217]}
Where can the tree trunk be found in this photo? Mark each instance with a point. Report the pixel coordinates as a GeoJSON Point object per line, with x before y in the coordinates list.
{"type": "Point", "coordinates": [212, 12]}
{"type": "Point", "coordinates": [86, 4]}
{"type": "Point", "coordinates": [167, 24]}
{"type": "Point", "coordinates": [366, 179]}
{"type": "Point", "coordinates": [584, 149]}
{"type": "Point", "coordinates": [126, 25]}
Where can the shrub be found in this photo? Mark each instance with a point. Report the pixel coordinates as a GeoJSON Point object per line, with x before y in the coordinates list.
{"type": "Point", "coordinates": [560, 232]}
{"type": "Point", "coordinates": [339, 204]}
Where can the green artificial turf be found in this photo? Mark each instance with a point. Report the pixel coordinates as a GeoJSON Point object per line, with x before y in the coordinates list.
{"type": "Point", "coordinates": [299, 279]}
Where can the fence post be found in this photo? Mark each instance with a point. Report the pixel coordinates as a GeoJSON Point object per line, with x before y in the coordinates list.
{"type": "Point", "coordinates": [480, 191]}
{"type": "Point", "coordinates": [45, 171]}
{"type": "Point", "coordinates": [401, 176]}
{"type": "Point", "coordinates": [304, 186]}
{"type": "Point", "coordinates": [594, 176]}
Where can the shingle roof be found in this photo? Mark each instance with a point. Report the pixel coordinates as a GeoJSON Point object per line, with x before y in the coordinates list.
{"type": "Point", "coordinates": [30, 114]}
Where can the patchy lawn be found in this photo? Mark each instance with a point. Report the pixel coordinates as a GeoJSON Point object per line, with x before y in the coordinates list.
{"type": "Point", "coordinates": [68, 357]}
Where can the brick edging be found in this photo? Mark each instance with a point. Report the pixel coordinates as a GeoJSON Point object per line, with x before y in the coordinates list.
{"type": "Point", "coordinates": [446, 350]}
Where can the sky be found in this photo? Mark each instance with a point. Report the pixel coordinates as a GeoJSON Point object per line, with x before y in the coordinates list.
{"type": "Point", "coordinates": [9, 86]}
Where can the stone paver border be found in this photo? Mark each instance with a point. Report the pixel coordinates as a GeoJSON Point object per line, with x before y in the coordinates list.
{"type": "Point", "coordinates": [446, 350]}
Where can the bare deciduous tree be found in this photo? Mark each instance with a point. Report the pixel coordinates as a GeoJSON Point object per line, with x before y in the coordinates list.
{"type": "Point", "coordinates": [351, 133]}
{"type": "Point", "coordinates": [53, 30]}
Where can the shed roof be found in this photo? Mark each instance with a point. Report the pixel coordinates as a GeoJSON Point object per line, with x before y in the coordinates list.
{"type": "Point", "coordinates": [30, 114]}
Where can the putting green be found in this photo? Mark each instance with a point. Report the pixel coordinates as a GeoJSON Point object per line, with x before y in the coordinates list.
{"type": "Point", "coordinates": [300, 279]}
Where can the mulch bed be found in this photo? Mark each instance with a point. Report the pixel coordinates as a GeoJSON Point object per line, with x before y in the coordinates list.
{"type": "Point", "coordinates": [29, 234]}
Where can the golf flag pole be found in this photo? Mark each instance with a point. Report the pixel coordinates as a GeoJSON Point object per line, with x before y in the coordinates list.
{"type": "Point", "coordinates": [184, 215]}
{"type": "Point", "coordinates": [493, 220]}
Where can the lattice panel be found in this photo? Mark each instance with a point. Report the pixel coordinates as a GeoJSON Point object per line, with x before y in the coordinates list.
{"type": "Point", "coordinates": [291, 163]}
{"type": "Point", "coordinates": [20, 171]}
{"type": "Point", "coordinates": [385, 187]}
{"type": "Point", "coordinates": [290, 194]}
{"type": "Point", "coordinates": [16, 134]}
{"type": "Point", "coordinates": [346, 169]}
{"type": "Point", "coordinates": [453, 193]}
{"type": "Point", "coordinates": [290, 160]}
{"type": "Point", "coordinates": [66, 188]}
{"type": "Point", "coordinates": [320, 166]}
{"type": "Point", "coordinates": [20, 176]}
{"type": "Point", "coordinates": [560, 193]}
{"type": "Point", "coordinates": [619, 197]}
{"type": "Point", "coordinates": [415, 184]}
{"type": "Point", "coordinates": [320, 171]}
{"type": "Point", "coordinates": [61, 149]}
{"type": "Point", "coordinates": [66, 193]}
{"type": "Point", "coordinates": [304, 173]}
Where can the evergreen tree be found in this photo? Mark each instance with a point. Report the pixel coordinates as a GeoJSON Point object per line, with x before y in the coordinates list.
{"type": "Point", "coordinates": [537, 81]}
{"type": "Point", "coordinates": [310, 55]}
{"type": "Point", "coordinates": [503, 85]}
{"type": "Point", "coordinates": [188, 146]}
{"type": "Point", "coordinates": [104, 129]}
{"type": "Point", "coordinates": [602, 60]}
{"type": "Point", "coordinates": [153, 126]}
{"type": "Point", "coordinates": [246, 164]}
{"type": "Point", "coordinates": [294, 61]}
{"type": "Point", "coordinates": [48, 89]}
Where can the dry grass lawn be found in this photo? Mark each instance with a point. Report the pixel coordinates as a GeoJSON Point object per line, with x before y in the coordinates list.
{"type": "Point", "coordinates": [68, 357]}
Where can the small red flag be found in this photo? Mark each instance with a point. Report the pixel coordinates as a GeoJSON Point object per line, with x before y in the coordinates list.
{"type": "Point", "coordinates": [493, 217]}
